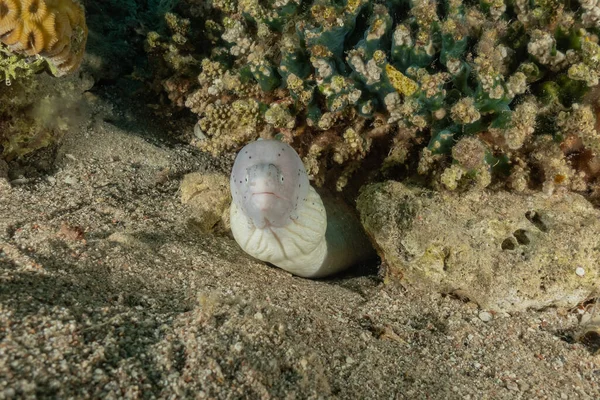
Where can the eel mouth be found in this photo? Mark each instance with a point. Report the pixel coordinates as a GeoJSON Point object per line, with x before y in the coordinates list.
{"type": "Point", "coordinates": [265, 201]}
{"type": "Point", "coordinates": [267, 194]}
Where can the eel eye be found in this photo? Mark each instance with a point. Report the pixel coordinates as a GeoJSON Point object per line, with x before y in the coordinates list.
{"type": "Point", "coordinates": [246, 179]}
{"type": "Point", "coordinates": [281, 178]}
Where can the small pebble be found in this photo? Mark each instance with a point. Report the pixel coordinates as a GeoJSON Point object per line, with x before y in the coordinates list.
{"type": "Point", "coordinates": [19, 181]}
{"type": "Point", "coordinates": [123, 238]}
{"type": "Point", "coordinates": [580, 271]}
{"type": "Point", "coordinates": [524, 386]}
{"type": "Point", "coordinates": [70, 180]}
{"type": "Point", "coordinates": [198, 132]}
{"type": "Point", "coordinates": [238, 347]}
{"type": "Point", "coordinates": [510, 385]}
{"type": "Point", "coordinates": [485, 316]}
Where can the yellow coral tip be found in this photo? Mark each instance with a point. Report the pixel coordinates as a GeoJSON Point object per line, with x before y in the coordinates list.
{"type": "Point", "coordinates": [403, 84]}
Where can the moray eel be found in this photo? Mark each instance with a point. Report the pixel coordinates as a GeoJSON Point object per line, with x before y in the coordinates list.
{"type": "Point", "coordinates": [279, 218]}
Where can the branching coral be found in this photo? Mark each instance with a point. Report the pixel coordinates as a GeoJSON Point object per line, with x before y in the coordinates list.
{"type": "Point", "coordinates": [467, 92]}
{"type": "Point", "coordinates": [53, 29]}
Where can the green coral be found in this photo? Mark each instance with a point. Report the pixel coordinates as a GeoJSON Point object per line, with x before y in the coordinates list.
{"type": "Point", "coordinates": [422, 76]}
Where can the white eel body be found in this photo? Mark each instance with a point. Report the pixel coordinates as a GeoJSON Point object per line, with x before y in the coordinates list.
{"type": "Point", "coordinates": [277, 217]}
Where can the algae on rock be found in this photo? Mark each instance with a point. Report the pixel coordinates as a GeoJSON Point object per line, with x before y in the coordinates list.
{"type": "Point", "coordinates": [506, 252]}
{"type": "Point", "coordinates": [37, 111]}
{"type": "Point", "coordinates": [209, 197]}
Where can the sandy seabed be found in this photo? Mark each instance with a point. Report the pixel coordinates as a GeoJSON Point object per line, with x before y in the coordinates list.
{"type": "Point", "coordinates": [107, 290]}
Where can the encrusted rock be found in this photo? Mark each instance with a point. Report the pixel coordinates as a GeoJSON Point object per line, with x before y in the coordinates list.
{"type": "Point", "coordinates": [589, 330]}
{"type": "Point", "coordinates": [208, 196]}
{"type": "Point", "coordinates": [505, 251]}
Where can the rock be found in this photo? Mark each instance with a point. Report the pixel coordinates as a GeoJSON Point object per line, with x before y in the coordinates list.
{"type": "Point", "coordinates": [506, 252]}
{"type": "Point", "coordinates": [485, 316]}
{"type": "Point", "coordinates": [70, 180]}
{"type": "Point", "coordinates": [589, 330]}
{"type": "Point", "coordinates": [209, 197]}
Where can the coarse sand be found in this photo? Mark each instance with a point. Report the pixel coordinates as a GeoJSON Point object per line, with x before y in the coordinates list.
{"type": "Point", "coordinates": [107, 290]}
